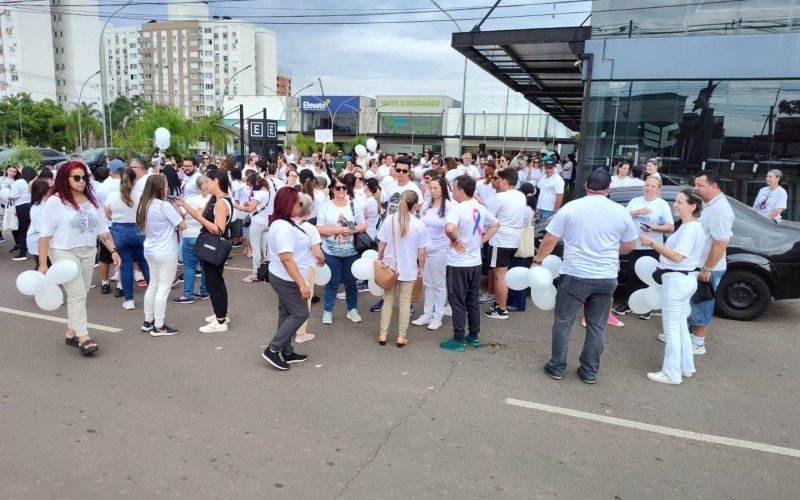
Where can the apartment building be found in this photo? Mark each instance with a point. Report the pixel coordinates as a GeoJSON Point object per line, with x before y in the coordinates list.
{"type": "Point", "coordinates": [121, 60]}
{"type": "Point", "coordinates": [284, 84]}
{"type": "Point", "coordinates": [75, 47]}
{"type": "Point", "coordinates": [26, 57]}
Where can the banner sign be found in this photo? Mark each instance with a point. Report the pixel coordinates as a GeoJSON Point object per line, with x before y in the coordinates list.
{"type": "Point", "coordinates": [323, 135]}
{"type": "Point", "coordinates": [329, 104]}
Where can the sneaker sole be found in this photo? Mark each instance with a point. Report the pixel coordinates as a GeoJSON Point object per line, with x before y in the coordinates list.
{"type": "Point", "coordinates": [162, 334]}
{"type": "Point", "coordinates": [297, 361]}
{"type": "Point", "coordinates": [553, 376]}
{"type": "Point", "coordinates": [359, 320]}
{"type": "Point", "coordinates": [492, 316]}
{"type": "Point", "coordinates": [281, 368]}
{"type": "Point", "coordinates": [183, 302]}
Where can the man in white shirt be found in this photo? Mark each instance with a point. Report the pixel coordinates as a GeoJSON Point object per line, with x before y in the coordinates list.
{"type": "Point", "coordinates": [191, 174]}
{"type": "Point", "coordinates": [595, 232]}
{"type": "Point", "coordinates": [288, 155]}
{"type": "Point", "coordinates": [142, 174]}
{"type": "Point", "coordinates": [466, 168]}
{"type": "Point", "coordinates": [717, 220]}
{"type": "Point", "coordinates": [392, 191]}
{"type": "Point", "coordinates": [469, 225]}
{"type": "Point", "coordinates": [388, 164]}
{"type": "Point", "coordinates": [551, 191]}
{"type": "Point", "coordinates": [509, 206]}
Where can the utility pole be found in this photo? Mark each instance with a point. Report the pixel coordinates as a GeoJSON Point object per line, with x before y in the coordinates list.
{"type": "Point", "coordinates": [241, 134]}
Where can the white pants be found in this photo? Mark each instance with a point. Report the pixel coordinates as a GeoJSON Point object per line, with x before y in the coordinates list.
{"type": "Point", "coordinates": [258, 242]}
{"type": "Point", "coordinates": [77, 287]}
{"type": "Point", "coordinates": [676, 292]}
{"type": "Point", "coordinates": [434, 284]}
{"type": "Point", "coordinates": [162, 274]}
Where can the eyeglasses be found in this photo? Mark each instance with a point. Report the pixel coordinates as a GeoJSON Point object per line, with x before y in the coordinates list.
{"type": "Point", "coordinates": [434, 163]}
{"type": "Point", "coordinates": [84, 178]}
{"type": "Point", "coordinates": [340, 188]}
{"type": "Point", "coordinates": [401, 171]}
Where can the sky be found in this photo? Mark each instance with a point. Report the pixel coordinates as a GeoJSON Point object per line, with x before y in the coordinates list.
{"type": "Point", "coordinates": [396, 57]}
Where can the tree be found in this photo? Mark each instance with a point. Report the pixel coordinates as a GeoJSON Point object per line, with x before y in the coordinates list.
{"type": "Point", "coordinates": [24, 156]}
{"type": "Point", "coordinates": [141, 127]}
{"type": "Point", "coordinates": [359, 139]}
{"type": "Point", "coordinates": [207, 129]}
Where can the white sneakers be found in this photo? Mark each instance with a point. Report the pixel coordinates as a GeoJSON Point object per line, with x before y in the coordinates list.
{"type": "Point", "coordinates": [213, 318]}
{"type": "Point", "coordinates": [422, 320]}
{"type": "Point", "coordinates": [696, 349]}
{"type": "Point", "coordinates": [353, 316]}
{"type": "Point", "coordinates": [128, 304]}
{"type": "Point", "coordinates": [661, 377]}
{"type": "Point", "coordinates": [214, 326]}
{"type": "Point", "coordinates": [435, 324]}
{"type": "Point", "coordinates": [327, 318]}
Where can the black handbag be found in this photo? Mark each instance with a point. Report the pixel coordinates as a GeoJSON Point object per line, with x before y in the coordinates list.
{"type": "Point", "coordinates": [212, 248]}
{"type": "Point", "coordinates": [361, 241]}
{"type": "Point", "coordinates": [703, 293]}
{"type": "Point", "coordinates": [262, 273]}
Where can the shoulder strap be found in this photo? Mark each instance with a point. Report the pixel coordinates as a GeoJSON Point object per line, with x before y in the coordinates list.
{"type": "Point", "coordinates": [394, 242]}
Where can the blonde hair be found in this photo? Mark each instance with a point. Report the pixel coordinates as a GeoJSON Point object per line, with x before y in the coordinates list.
{"type": "Point", "coordinates": [410, 199]}
{"type": "Point", "coordinates": [657, 162]}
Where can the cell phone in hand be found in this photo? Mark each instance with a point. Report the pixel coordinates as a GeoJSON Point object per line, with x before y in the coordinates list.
{"type": "Point", "coordinates": [351, 226]}
{"type": "Point", "coordinates": [646, 227]}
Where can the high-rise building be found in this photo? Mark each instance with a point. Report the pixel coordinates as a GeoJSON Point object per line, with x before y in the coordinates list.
{"type": "Point", "coordinates": [122, 64]}
{"type": "Point", "coordinates": [284, 84]}
{"type": "Point", "coordinates": [26, 57]}
{"type": "Point", "coordinates": [75, 47]}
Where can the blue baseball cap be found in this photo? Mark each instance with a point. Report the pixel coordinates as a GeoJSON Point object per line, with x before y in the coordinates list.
{"type": "Point", "coordinates": [116, 166]}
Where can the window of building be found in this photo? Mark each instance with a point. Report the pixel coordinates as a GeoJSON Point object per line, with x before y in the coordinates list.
{"type": "Point", "coordinates": [346, 123]}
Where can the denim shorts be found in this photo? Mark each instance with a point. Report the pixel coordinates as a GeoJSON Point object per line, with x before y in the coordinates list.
{"type": "Point", "coordinates": [702, 312]}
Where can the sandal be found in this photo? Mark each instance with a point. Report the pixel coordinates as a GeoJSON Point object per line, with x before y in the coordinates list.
{"type": "Point", "coordinates": [382, 338]}
{"type": "Point", "coordinates": [401, 341]}
{"type": "Point", "coordinates": [88, 347]}
{"type": "Point", "coordinates": [72, 341]}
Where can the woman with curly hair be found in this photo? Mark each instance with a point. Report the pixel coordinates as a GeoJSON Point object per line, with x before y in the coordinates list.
{"type": "Point", "coordinates": [71, 224]}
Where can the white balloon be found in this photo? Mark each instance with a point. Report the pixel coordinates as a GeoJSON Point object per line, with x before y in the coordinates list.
{"type": "Point", "coordinates": [361, 150]}
{"type": "Point", "coordinates": [539, 278]}
{"type": "Point", "coordinates": [322, 275]}
{"type": "Point", "coordinates": [545, 299]}
{"type": "Point", "coordinates": [374, 289]}
{"type": "Point", "coordinates": [162, 138]}
{"type": "Point", "coordinates": [61, 272]}
{"type": "Point", "coordinates": [645, 267]}
{"type": "Point", "coordinates": [370, 255]}
{"type": "Point", "coordinates": [372, 145]}
{"type": "Point", "coordinates": [637, 303]}
{"type": "Point", "coordinates": [652, 298]}
{"type": "Point", "coordinates": [517, 278]}
{"type": "Point", "coordinates": [29, 282]}
{"type": "Point", "coordinates": [49, 297]}
{"type": "Point", "coordinates": [5, 194]}
{"type": "Point", "coordinates": [363, 269]}
{"type": "Point", "coordinates": [553, 264]}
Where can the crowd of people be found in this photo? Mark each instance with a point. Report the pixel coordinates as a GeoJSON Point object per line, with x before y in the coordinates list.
{"type": "Point", "coordinates": [438, 225]}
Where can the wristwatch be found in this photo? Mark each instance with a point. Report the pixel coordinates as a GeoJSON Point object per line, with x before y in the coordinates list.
{"type": "Point", "coordinates": [704, 269]}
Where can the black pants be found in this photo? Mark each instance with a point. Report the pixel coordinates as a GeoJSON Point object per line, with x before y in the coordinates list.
{"type": "Point", "coordinates": [21, 234]}
{"type": "Point", "coordinates": [463, 287]}
{"type": "Point", "coordinates": [215, 285]}
{"type": "Point", "coordinates": [292, 313]}
{"type": "Point", "coordinates": [634, 283]}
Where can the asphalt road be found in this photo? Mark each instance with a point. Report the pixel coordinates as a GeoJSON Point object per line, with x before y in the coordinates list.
{"type": "Point", "coordinates": [199, 415]}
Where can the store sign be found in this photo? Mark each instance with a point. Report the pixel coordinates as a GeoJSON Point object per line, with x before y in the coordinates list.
{"type": "Point", "coordinates": [660, 137]}
{"type": "Point", "coordinates": [332, 104]}
{"type": "Point", "coordinates": [411, 102]}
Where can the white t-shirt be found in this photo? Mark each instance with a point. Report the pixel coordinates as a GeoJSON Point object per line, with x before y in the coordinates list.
{"type": "Point", "coordinates": [407, 246]}
{"type": "Point", "coordinates": [393, 193]}
{"type": "Point", "coordinates": [616, 182]}
{"type": "Point", "coordinates": [138, 186]}
{"type": "Point", "coordinates": [485, 190]}
{"type": "Point", "coordinates": [189, 186]}
{"type": "Point", "coordinates": [717, 219]}
{"type": "Point", "coordinates": [767, 201]}
{"type": "Point", "coordinates": [120, 212]}
{"type": "Point", "coordinates": [289, 158]}
{"type": "Point", "coordinates": [32, 238]}
{"type": "Point", "coordinates": [320, 199]}
{"type": "Point", "coordinates": [567, 170]}
{"type": "Point", "coordinates": [530, 175]}
{"type": "Point", "coordinates": [160, 237]}
{"type": "Point", "coordinates": [70, 228]}
{"type": "Point", "coordinates": [263, 198]}
{"type": "Point", "coordinates": [383, 171]}
{"type": "Point", "coordinates": [371, 207]}
{"type": "Point", "coordinates": [316, 239]}
{"type": "Point", "coordinates": [19, 190]}
{"type": "Point", "coordinates": [436, 225]}
{"type": "Point", "coordinates": [460, 170]}
{"type": "Point", "coordinates": [274, 185]}
{"type": "Point", "coordinates": [592, 228]}
{"type": "Point", "coordinates": [549, 189]}
{"type": "Point", "coordinates": [330, 215]}
{"type": "Point", "coordinates": [419, 172]}
{"type": "Point", "coordinates": [471, 220]}
{"type": "Point", "coordinates": [283, 237]}
{"type": "Point", "coordinates": [660, 213]}
{"type": "Point", "coordinates": [193, 226]}
{"type": "Point", "coordinates": [509, 209]}
{"type": "Point", "coordinates": [688, 241]}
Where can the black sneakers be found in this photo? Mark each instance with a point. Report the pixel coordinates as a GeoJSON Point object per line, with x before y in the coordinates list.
{"type": "Point", "coordinates": [496, 313]}
{"type": "Point", "coordinates": [147, 326]}
{"type": "Point", "coordinates": [647, 315]}
{"type": "Point", "coordinates": [275, 359]}
{"type": "Point", "coordinates": [294, 358]}
{"type": "Point", "coordinates": [164, 331]}
{"type": "Point", "coordinates": [622, 309]}
{"type": "Point", "coordinates": [105, 289]}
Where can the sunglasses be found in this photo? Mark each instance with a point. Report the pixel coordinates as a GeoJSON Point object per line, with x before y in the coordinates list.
{"type": "Point", "coordinates": [428, 179]}
{"type": "Point", "coordinates": [434, 163]}
{"type": "Point", "coordinates": [340, 188]}
{"type": "Point", "coordinates": [359, 178]}
{"type": "Point", "coordinates": [401, 171]}
{"type": "Point", "coordinates": [84, 178]}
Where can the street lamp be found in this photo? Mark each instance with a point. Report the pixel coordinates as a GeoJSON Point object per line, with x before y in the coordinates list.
{"type": "Point", "coordinates": [333, 115]}
{"type": "Point", "coordinates": [411, 125]}
{"type": "Point", "coordinates": [80, 129]}
{"type": "Point", "coordinates": [225, 89]}
{"type": "Point", "coordinates": [291, 99]}
{"type": "Point", "coordinates": [463, 84]}
{"type": "Point", "coordinates": [374, 115]}
{"type": "Point", "coordinates": [484, 131]}
{"type": "Point", "coordinates": [103, 73]}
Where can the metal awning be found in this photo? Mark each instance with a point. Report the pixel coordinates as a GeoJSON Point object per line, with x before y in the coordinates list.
{"type": "Point", "coordinates": [538, 63]}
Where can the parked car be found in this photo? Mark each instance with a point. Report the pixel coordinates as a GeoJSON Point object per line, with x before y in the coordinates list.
{"type": "Point", "coordinates": [97, 157]}
{"type": "Point", "coordinates": [763, 258]}
{"type": "Point", "coordinates": [51, 156]}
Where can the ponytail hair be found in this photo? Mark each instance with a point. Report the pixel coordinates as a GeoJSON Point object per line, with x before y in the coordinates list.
{"type": "Point", "coordinates": [410, 199]}
{"type": "Point", "coordinates": [127, 179]}
{"type": "Point", "coordinates": [656, 161]}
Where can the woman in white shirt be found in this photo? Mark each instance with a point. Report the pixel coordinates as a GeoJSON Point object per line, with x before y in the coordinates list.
{"type": "Point", "coordinates": [71, 224]}
{"type": "Point", "coordinates": [652, 167]}
{"type": "Point", "coordinates": [373, 206]}
{"type": "Point", "coordinates": [20, 198]}
{"type": "Point", "coordinates": [259, 223]}
{"type": "Point", "coordinates": [306, 206]}
{"type": "Point", "coordinates": [772, 199]}
{"type": "Point", "coordinates": [531, 173]}
{"type": "Point", "coordinates": [188, 239]}
{"type": "Point", "coordinates": [620, 177]}
{"type": "Point", "coordinates": [289, 249]}
{"type": "Point", "coordinates": [434, 286]}
{"type": "Point", "coordinates": [159, 221]}
{"type": "Point", "coordinates": [402, 239]}
{"type": "Point", "coordinates": [484, 188]}
{"type": "Point", "coordinates": [39, 193]}
{"type": "Point", "coordinates": [120, 209]}
{"type": "Point", "coordinates": [678, 261]}
{"type": "Point", "coordinates": [653, 218]}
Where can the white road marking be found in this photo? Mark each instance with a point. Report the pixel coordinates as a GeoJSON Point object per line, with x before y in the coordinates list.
{"type": "Point", "coordinates": [55, 319]}
{"type": "Point", "coordinates": [658, 429]}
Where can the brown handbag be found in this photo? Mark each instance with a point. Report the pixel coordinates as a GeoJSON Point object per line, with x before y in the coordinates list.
{"type": "Point", "coordinates": [385, 276]}
{"type": "Point", "coordinates": [416, 293]}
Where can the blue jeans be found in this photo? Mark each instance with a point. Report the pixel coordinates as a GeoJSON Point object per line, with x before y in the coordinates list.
{"type": "Point", "coordinates": [543, 214]}
{"type": "Point", "coordinates": [190, 269]}
{"type": "Point", "coordinates": [518, 298]}
{"type": "Point", "coordinates": [130, 246]}
{"type": "Point", "coordinates": [702, 312]}
{"type": "Point", "coordinates": [340, 271]}
{"type": "Point", "coordinates": [595, 295]}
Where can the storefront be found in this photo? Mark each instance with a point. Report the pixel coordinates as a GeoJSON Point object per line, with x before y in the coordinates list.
{"type": "Point", "coordinates": [340, 113]}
